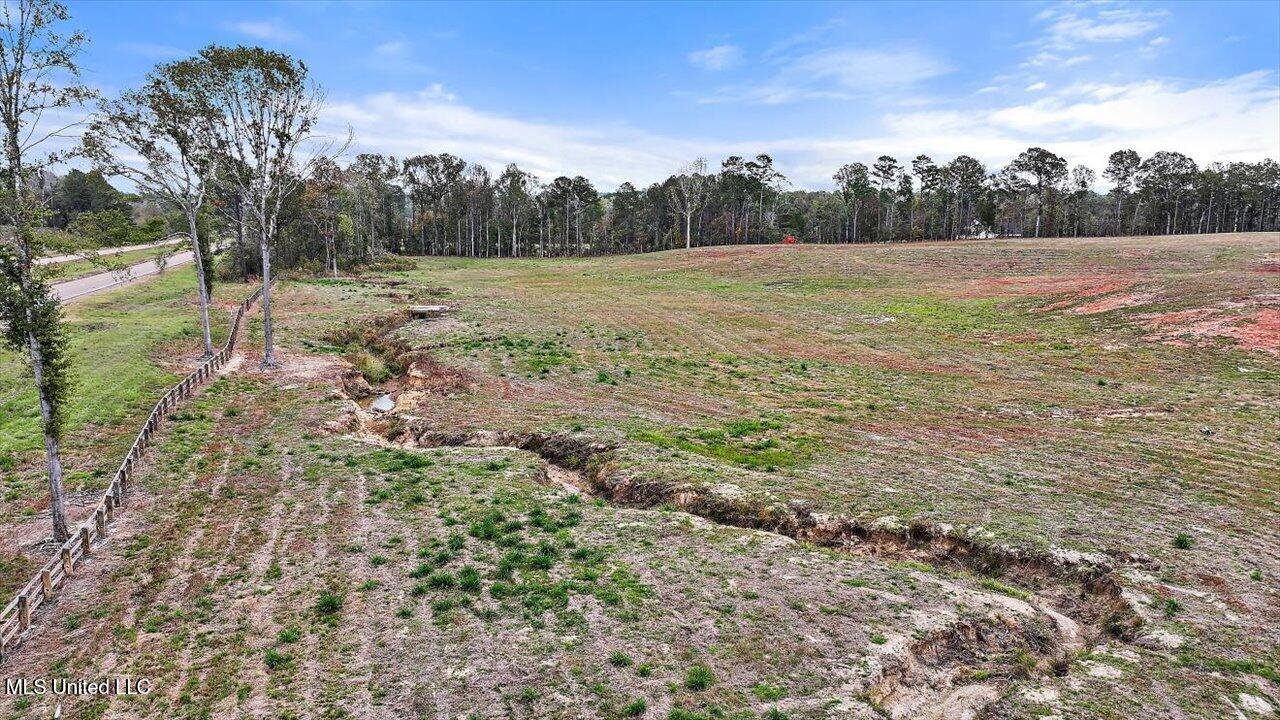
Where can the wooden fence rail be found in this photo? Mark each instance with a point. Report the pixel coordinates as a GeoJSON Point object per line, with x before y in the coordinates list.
{"type": "Point", "coordinates": [15, 619]}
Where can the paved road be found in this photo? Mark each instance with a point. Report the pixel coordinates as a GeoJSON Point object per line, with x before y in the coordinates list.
{"type": "Point", "coordinates": [59, 259]}
{"type": "Point", "coordinates": [72, 289]}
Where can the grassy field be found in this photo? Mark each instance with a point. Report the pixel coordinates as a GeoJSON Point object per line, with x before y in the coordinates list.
{"type": "Point", "coordinates": [127, 347]}
{"type": "Point", "coordinates": [1112, 397]}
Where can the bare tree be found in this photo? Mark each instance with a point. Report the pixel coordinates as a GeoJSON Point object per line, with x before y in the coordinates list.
{"type": "Point", "coordinates": [689, 192]}
{"type": "Point", "coordinates": [169, 130]}
{"type": "Point", "coordinates": [39, 73]}
{"type": "Point", "coordinates": [264, 108]}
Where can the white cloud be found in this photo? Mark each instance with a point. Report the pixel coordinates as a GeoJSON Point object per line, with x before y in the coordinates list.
{"type": "Point", "coordinates": [1073, 24]}
{"type": "Point", "coordinates": [1037, 86]}
{"type": "Point", "coordinates": [1043, 59]}
{"type": "Point", "coordinates": [835, 73]}
{"type": "Point", "coordinates": [720, 57]}
{"type": "Point", "coordinates": [805, 38]}
{"type": "Point", "coordinates": [432, 121]}
{"type": "Point", "coordinates": [1226, 120]}
{"type": "Point", "coordinates": [272, 30]}
{"type": "Point", "coordinates": [1158, 41]}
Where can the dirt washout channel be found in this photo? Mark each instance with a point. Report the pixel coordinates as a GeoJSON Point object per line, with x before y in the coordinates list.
{"type": "Point", "coordinates": [943, 673]}
{"type": "Point", "coordinates": [1056, 603]}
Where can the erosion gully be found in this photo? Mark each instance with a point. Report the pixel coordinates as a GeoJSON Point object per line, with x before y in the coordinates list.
{"type": "Point", "coordinates": [1078, 594]}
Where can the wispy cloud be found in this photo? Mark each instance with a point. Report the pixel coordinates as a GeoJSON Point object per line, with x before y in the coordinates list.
{"type": "Point", "coordinates": [433, 121]}
{"type": "Point", "coordinates": [1072, 24]}
{"type": "Point", "coordinates": [1229, 119]}
{"type": "Point", "coordinates": [1049, 59]}
{"type": "Point", "coordinates": [396, 56]}
{"type": "Point", "coordinates": [272, 30]}
{"type": "Point", "coordinates": [153, 51]}
{"type": "Point", "coordinates": [835, 73]}
{"type": "Point", "coordinates": [720, 57]}
{"type": "Point", "coordinates": [808, 37]}
{"type": "Point", "coordinates": [1037, 86]}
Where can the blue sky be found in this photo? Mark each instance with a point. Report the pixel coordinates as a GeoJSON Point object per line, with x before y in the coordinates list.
{"type": "Point", "coordinates": [631, 91]}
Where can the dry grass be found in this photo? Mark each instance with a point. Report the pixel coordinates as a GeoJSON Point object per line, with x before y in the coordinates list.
{"type": "Point", "coordinates": [1103, 395]}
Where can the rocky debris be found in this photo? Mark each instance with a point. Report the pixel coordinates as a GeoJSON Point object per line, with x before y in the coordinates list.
{"type": "Point", "coordinates": [355, 386]}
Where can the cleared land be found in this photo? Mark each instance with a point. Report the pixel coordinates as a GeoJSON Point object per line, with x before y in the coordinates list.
{"type": "Point", "coordinates": [1109, 403]}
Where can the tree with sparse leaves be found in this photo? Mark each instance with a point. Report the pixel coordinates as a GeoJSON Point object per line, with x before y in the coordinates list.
{"type": "Point", "coordinates": [263, 108]}
{"type": "Point", "coordinates": [159, 136]}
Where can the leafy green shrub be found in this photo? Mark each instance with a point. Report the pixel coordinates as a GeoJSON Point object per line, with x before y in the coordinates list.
{"type": "Point", "coordinates": [767, 692]}
{"type": "Point", "coordinates": [1183, 541]}
{"type": "Point", "coordinates": [441, 580]}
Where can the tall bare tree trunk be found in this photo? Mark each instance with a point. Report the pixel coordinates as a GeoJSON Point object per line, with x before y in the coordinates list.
{"type": "Point", "coordinates": [22, 220]}
{"type": "Point", "coordinates": [201, 284]}
{"type": "Point", "coordinates": [52, 455]}
{"type": "Point", "coordinates": [268, 347]}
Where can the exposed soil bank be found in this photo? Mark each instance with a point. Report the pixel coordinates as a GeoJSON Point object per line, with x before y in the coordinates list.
{"type": "Point", "coordinates": [1078, 586]}
{"type": "Point", "coordinates": [952, 671]}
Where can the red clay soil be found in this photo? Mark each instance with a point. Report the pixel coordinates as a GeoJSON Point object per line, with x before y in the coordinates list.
{"type": "Point", "coordinates": [1262, 332]}
{"type": "Point", "coordinates": [1257, 331]}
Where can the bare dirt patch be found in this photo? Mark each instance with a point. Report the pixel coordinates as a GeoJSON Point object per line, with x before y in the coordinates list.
{"type": "Point", "coordinates": [1253, 324]}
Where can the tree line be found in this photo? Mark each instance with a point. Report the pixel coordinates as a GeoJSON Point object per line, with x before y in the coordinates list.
{"type": "Point", "coordinates": [440, 204]}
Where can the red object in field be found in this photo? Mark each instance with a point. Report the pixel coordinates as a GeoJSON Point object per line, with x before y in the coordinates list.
{"type": "Point", "coordinates": [789, 240]}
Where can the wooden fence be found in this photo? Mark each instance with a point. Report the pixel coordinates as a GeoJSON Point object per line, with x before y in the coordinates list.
{"type": "Point", "coordinates": [15, 619]}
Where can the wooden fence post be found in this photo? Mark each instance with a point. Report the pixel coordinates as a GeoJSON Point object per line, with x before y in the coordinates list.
{"type": "Point", "coordinates": [114, 496]}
